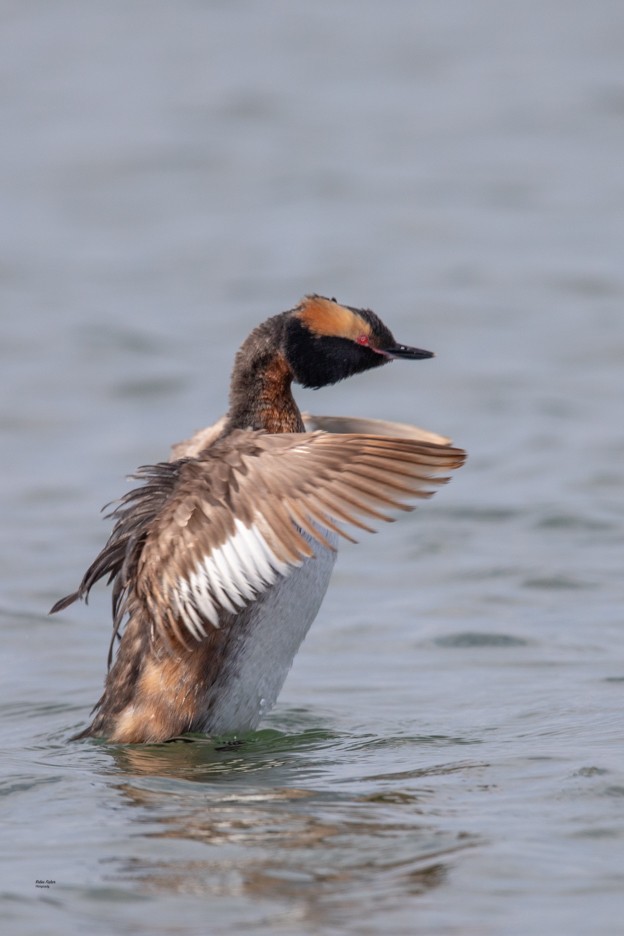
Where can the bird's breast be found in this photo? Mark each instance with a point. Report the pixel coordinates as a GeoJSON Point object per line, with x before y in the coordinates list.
{"type": "Point", "coordinates": [262, 642]}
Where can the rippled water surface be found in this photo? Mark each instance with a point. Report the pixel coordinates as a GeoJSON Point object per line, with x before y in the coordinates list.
{"type": "Point", "coordinates": [446, 756]}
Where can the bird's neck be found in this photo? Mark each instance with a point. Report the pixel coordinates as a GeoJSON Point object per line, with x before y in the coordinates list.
{"type": "Point", "coordinates": [260, 389]}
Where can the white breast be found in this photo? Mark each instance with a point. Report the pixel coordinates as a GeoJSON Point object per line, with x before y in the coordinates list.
{"type": "Point", "coordinates": [262, 644]}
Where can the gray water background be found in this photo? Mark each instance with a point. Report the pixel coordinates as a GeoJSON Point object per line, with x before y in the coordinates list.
{"type": "Point", "coordinates": [446, 756]}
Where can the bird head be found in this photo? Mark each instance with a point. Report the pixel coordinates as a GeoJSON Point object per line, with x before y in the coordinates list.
{"type": "Point", "coordinates": [326, 342]}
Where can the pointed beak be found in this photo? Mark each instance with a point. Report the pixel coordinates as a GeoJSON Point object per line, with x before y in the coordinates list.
{"type": "Point", "coordinates": [407, 353]}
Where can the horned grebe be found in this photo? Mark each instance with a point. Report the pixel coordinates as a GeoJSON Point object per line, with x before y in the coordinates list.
{"type": "Point", "coordinates": [220, 560]}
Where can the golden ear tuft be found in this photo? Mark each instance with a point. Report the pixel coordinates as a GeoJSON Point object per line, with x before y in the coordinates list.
{"type": "Point", "coordinates": [326, 317]}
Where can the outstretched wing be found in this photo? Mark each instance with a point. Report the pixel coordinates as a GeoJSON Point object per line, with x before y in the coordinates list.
{"type": "Point", "coordinates": [207, 535]}
{"type": "Point", "coordinates": [253, 507]}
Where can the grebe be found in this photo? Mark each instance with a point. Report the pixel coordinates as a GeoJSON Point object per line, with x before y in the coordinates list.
{"type": "Point", "coordinates": [220, 560]}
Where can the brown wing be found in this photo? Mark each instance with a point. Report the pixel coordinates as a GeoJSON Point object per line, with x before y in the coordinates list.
{"type": "Point", "coordinates": [240, 512]}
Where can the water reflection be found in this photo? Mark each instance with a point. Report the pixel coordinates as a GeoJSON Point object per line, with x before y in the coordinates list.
{"type": "Point", "coordinates": [274, 828]}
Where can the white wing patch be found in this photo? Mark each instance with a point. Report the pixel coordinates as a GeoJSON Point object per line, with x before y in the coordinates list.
{"type": "Point", "coordinates": [227, 579]}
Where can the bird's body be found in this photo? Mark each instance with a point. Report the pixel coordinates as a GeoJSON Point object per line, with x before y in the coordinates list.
{"type": "Point", "coordinates": [221, 559]}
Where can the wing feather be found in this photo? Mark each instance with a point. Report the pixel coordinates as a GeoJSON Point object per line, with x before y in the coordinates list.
{"type": "Point", "coordinates": [276, 496]}
{"type": "Point", "coordinates": [206, 535]}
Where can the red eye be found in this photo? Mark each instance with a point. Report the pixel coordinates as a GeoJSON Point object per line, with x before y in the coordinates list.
{"type": "Point", "coordinates": [363, 340]}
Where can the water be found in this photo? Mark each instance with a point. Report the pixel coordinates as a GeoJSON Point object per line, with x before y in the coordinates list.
{"type": "Point", "coordinates": [446, 754]}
